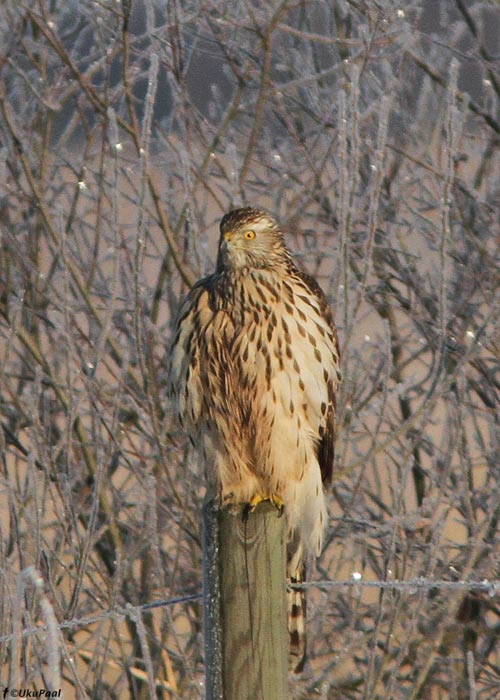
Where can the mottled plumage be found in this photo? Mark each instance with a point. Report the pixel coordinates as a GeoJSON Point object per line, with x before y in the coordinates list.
{"type": "Point", "coordinates": [254, 371]}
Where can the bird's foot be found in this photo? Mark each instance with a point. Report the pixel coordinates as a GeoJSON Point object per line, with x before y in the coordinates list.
{"type": "Point", "coordinates": [278, 503]}
{"type": "Point", "coordinates": [276, 500]}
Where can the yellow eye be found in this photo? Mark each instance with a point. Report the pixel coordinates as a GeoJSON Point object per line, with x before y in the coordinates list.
{"type": "Point", "coordinates": [249, 235]}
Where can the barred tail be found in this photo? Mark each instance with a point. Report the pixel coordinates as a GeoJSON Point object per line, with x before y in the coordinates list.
{"type": "Point", "coordinates": [297, 622]}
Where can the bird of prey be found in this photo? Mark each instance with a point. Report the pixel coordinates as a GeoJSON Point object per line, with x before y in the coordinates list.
{"type": "Point", "coordinates": [254, 373]}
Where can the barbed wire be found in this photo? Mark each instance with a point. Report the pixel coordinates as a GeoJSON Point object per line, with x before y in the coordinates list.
{"type": "Point", "coordinates": [410, 586]}
{"type": "Point", "coordinates": [117, 612]}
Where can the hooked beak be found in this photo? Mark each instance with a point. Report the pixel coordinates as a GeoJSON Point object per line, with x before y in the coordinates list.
{"type": "Point", "coordinates": [228, 235]}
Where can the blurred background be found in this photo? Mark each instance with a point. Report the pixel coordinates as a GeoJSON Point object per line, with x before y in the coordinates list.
{"type": "Point", "coordinates": [371, 130]}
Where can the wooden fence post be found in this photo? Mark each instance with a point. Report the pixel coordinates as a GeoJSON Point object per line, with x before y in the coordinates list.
{"type": "Point", "coordinates": [246, 617]}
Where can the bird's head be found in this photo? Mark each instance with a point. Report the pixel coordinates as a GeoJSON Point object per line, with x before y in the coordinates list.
{"type": "Point", "coordinates": [250, 238]}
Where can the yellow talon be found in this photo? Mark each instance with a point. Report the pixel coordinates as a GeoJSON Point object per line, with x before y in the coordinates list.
{"type": "Point", "coordinates": [254, 502]}
{"type": "Point", "coordinates": [277, 502]}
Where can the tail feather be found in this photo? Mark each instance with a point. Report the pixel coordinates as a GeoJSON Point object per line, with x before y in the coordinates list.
{"type": "Point", "coordinates": [307, 522]}
{"type": "Point", "coordinates": [297, 622]}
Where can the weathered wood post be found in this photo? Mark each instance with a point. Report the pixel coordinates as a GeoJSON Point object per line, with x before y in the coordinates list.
{"type": "Point", "coordinates": [246, 618]}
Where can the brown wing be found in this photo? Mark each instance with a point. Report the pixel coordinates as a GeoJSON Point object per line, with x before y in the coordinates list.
{"type": "Point", "coordinates": [187, 339]}
{"type": "Point", "coordinates": [326, 447]}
